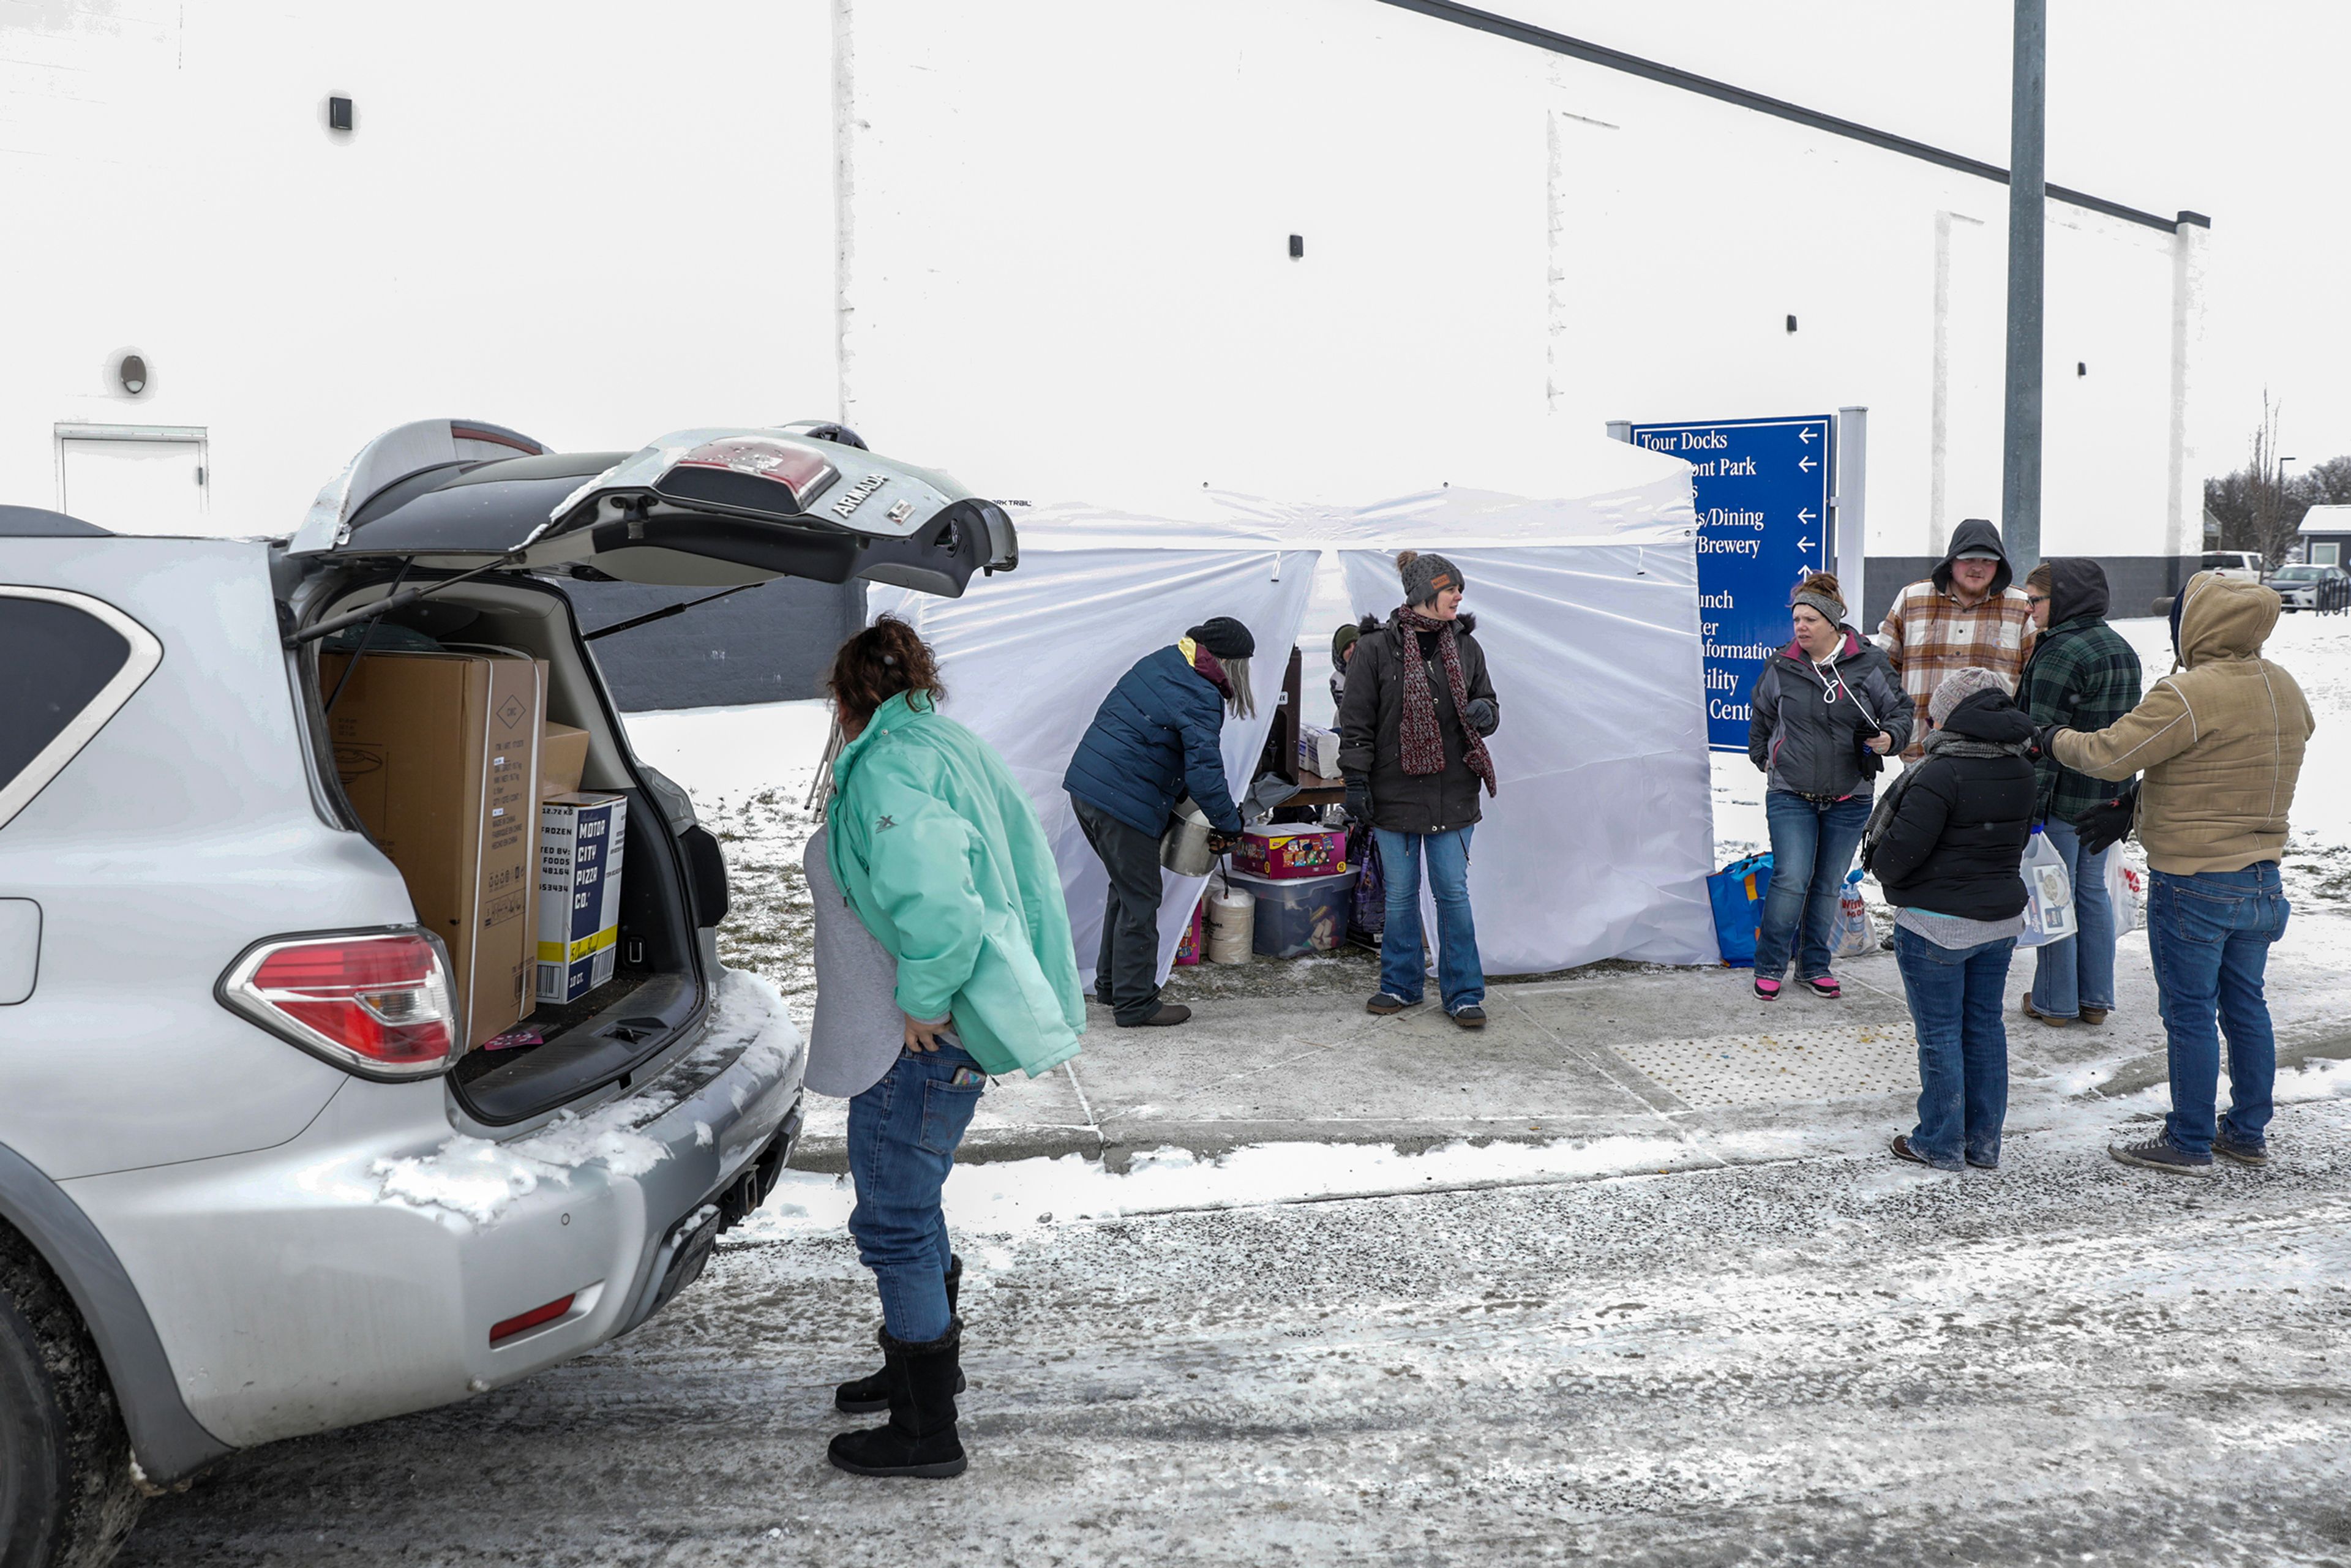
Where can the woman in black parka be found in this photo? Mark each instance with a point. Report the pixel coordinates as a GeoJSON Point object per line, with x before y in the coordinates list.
{"type": "Point", "coordinates": [1825, 713]}
{"type": "Point", "coordinates": [1947, 843]}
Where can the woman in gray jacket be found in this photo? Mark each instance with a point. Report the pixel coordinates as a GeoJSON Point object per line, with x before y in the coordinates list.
{"type": "Point", "coordinates": [1825, 713]}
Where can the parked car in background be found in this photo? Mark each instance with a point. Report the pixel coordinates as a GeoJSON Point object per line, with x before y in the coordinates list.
{"type": "Point", "coordinates": [2325, 590]}
{"type": "Point", "coordinates": [253, 1183]}
{"type": "Point", "coordinates": [2239, 563]}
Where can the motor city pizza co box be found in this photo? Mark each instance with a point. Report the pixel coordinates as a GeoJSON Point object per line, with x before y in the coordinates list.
{"type": "Point", "coordinates": [581, 838]}
{"type": "Point", "coordinates": [438, 755]}
{"type": "Point", "coordinates": [1287, 851]}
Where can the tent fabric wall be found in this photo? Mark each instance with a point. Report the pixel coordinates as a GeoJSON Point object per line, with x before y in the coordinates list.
{"type": "Point", "coordinates": [1602, 839]}
{"type": "Point", "coordinates": [1028, 657]}
{"type": "Point", "coordinates": [1599, 840]}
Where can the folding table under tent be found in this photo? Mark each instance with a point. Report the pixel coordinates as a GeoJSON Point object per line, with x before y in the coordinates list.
{"type": "Point", "coordinates": [1599, 843]}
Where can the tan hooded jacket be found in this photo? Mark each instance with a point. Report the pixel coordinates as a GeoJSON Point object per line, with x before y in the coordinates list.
{"type": "Point", "coordinates": [2219, 739]}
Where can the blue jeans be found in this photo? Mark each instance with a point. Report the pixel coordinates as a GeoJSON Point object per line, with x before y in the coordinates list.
{"type": "Point", "coordinates": [1811, 849]}
{"type": "Point", "coordinates": [1460, 978]}
{"type": "Point", "coordinates": [902, 1134]}
{"type": "Point", "coordinates": [2209, 936]}
{"type": "Point", "coordinates": [1955, 1007]}
{"type": "Point", "coordinates": [2078, 972]}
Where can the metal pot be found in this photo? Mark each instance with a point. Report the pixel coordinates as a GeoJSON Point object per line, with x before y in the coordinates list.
{"type": "Point", "coordinates": [1184, 848]}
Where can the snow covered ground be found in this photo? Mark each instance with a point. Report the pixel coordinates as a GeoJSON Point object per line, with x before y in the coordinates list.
{"type": "Point", "coordinates": [1816, 1360]}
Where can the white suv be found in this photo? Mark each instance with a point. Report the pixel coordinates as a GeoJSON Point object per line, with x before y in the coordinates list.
{"type": "Point", "coordinates": [250, 1185]}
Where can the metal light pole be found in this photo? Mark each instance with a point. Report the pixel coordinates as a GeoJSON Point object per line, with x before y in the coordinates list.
{"type": "Point", "coordinates": [2020, 484]}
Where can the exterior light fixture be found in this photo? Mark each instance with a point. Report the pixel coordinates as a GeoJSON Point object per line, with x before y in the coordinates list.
{"type": "Point", "coordinates": [1791, 323]}
{"type": "Point", "coordinates": [339, 114]}
{"type": "Point", "coordinates": [1297, 246]}
{"type": "Point", "coordinates": [133, 373]}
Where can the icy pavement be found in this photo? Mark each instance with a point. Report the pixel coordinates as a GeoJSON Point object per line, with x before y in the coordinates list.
{"type": "Point", "coordinates": [1830, 1358]}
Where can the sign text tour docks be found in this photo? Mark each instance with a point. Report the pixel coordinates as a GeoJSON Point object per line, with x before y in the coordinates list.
{"type": "Point", "coordinates": [1761, 492]}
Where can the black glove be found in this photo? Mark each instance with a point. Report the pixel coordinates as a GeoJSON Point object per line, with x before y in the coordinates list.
{"type": "Point", "coordinates": [1359, 799]}
{"type": "Point", "coordinates": [2109, 824]}
{"type": "Point", "coordinates": [1218, 842]}
{"type": "Point", "coordinates": [1872, 763]}
{"type": "Point", "coordinates": [2041, 746]}
{"type": "Point", "coordinates": [1482, 715]}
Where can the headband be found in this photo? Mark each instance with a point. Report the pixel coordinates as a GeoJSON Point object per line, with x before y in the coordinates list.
{"type": "Point", "coordinates": [1828, 607]}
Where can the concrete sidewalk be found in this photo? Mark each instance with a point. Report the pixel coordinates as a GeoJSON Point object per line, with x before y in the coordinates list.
{"type": "Point", "coordinates": [1283, 1052]}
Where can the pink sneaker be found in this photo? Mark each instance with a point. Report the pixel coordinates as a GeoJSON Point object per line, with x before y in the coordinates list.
{"type": "Point", "coordinates": [1826, 985]}
{"type": "Point", "coordinates": [1767, 990]}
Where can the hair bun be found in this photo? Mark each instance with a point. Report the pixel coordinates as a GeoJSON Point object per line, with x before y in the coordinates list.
{"type": "Point", "coordinates": [1823, 583]}
{"type": "Point", "coordinates": [1405, 558]}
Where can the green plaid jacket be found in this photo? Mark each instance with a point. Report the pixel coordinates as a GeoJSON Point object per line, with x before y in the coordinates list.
{"type": "Point", "coordinates": [2083, 675]}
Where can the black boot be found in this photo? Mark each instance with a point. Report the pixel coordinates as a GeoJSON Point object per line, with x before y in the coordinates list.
{"type": "Point", "coordinates": [920, 1439]}
{"type": "Point", "coordinates": [870, 1394]}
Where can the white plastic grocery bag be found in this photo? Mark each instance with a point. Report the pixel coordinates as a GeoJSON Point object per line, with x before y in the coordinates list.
{"type": "Point", "coordinates": [2126, 891]}
{"type": "Point", "coordinates": [2048, 894]}
{"type": "Point", "coordinates": [1851, 937]}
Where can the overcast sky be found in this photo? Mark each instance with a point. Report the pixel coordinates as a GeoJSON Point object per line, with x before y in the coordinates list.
{"type": "Point", "coordinates": [2236, 110]}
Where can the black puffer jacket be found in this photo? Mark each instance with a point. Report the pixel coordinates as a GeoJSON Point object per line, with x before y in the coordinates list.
{"type": "Point", "coordinates": [1958, 831]}
{"type": "Point", "coordinates": [1805, 727]}
{"type": "Point", "coordinates": [1371, 730]}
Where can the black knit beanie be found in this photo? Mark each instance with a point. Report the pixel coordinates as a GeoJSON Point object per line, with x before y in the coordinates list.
{"type": "Point", "coordinates": [1225, 637]}
{"type": "Point", "coordinates": [1425, 575]}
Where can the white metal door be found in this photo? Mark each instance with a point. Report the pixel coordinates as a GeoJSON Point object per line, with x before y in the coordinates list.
{"type": "Point", "coordinates": [134, 479]}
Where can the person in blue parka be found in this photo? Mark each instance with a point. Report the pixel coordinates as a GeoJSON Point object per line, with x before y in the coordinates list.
{"type": "Point", "coordinates": [1155, 739]}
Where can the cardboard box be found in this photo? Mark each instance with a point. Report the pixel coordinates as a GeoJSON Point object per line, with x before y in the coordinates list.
{"type": "Point", "coordinates": [1292, 850]}
{"type": "Point", "coordinates": [1318, 750]}
{"type": "Point", "coordinates": [562, 757]}
{"type": "Point", "coordinates": [439, 755]}
{"type": "Point", "coordinates": [580, 840]}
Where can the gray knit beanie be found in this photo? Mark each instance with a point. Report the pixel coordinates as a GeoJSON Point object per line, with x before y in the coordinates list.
{"type": "Point", "coordinates": [1425, 575]}
{"type": "Point", "coordinates": [1957, 687]}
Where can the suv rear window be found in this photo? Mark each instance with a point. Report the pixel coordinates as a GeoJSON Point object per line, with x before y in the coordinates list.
{"type": "Point", "coordinates": [59, 663]}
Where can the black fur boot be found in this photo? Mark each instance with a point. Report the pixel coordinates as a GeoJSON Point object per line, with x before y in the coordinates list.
{"type": "Point", "coordinates": [870, 1394]}
{"type": "Point", "coordinates": [920, 1439]}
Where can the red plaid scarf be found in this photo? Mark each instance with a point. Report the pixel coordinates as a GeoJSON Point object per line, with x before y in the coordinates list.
{"type": "Point", "coordinates": [1423, 744]}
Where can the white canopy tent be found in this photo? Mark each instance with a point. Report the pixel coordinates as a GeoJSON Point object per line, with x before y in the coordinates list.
{"type": "Point", "coordinates": [1601, 839]}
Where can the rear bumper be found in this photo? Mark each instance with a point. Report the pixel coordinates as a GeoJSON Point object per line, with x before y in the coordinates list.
{"type": "Point", "coordinates": [357, 1271]}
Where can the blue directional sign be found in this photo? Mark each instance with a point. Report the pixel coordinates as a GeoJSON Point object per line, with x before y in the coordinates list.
{"type": "Point", "coordinates": [1763, 493]}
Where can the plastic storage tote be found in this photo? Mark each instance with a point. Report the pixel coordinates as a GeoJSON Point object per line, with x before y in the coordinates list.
{"type": "Point", "coordinates": [1296, 917]}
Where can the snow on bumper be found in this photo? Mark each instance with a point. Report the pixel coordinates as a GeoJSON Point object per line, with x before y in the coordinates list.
{"type": "Point", "coordinates": [357, 1272]}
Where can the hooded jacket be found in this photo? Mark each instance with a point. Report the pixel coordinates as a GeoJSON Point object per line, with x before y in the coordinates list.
{"type": "Point", "coordinates": [1955, 844]}
{"type": "Point", "coordinates": [1804, 729]}
{"type": "Point", "coordinates": [1157, 735]}
{"type": "Point", "coordinates": [2081, 675]}
{"type": "Point", "coordinates": [2221, 739]}
{"type": "Point", "coordinates": [1928, 633]}
{"type": "Point", "coordinates": [937, 849]}
{"type": "Point", "coordinates": [1371, 730]}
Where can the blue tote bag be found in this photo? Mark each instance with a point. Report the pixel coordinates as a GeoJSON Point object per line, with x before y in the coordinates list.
{"type": "Point", "coordinates": [1738, 892]}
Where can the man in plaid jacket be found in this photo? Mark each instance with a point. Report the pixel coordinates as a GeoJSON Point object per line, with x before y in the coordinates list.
{"type": "Point", "coordinates": [1964, 612]}
{"type": "Point", "coordinates": [2081, 676]}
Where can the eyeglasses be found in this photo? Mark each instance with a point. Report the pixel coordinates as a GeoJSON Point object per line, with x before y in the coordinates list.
{"type": "Point", "coordinates": [2037, 598]}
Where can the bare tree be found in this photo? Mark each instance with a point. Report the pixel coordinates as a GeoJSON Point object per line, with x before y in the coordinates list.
{"type": "Point", "coordinates": [2274, 510]}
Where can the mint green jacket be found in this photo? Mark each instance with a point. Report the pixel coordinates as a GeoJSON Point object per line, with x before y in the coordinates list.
{"type": "Point", "coordinates": [942, 858]}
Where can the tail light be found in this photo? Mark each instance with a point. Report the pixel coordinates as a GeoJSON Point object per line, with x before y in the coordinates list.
{"type": "Point", "coordinates": [374, 1003]}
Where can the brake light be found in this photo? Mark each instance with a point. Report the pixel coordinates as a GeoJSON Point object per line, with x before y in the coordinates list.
{"type": "Point", "coordinates": [374, 1003]}
{"type": "Point", "coordinates": [802, 471]}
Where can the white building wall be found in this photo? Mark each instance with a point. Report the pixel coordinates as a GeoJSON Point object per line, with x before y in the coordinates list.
{"type": "Point", "coordinates": [1496, 237]}
{"type": "Point", "coordinates": [592, 223]}
{"type": "Point", "coordinates": [1063, 259]}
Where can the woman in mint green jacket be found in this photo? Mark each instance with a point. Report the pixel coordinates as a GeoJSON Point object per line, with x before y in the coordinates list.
{"type": "Point", "coordinates": [939, 856]}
